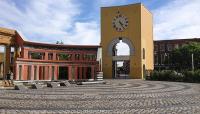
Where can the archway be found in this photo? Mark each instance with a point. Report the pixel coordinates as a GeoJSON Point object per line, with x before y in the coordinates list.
{"type": "Point", "coordinates": [121, 51]}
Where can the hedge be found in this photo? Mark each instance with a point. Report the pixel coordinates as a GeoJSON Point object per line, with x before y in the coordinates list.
{"type": "Point", "coordinates": [170, 75]}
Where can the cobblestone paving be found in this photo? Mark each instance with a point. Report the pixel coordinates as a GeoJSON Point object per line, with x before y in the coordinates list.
{"type": "Point", "coordinates": [117, 96]}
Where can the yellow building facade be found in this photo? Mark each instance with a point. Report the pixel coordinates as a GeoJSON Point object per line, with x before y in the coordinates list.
{"type": "Point", "coordinates": [131, 24]}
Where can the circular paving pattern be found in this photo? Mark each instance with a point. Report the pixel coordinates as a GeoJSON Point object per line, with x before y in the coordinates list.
{"type": "Point", "coordinates": [116, 96]}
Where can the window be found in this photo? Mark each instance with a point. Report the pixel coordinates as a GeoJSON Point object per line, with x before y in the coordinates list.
{"type": "Point", "coordinates": [64, 56]}
{"type": "Point", "coordinates": [77, 56]}
{"type": "Point", "coordinates": [176, 46]}
{"type": "Point", "coordinates": [155, 47]}
{"type": "Point", "coordinates": [169, 47]}
{"type": "Point", "coordinates": [162, 57]}
{"type": "Point", "coordinates": [50, 56]}
{"type": "Point", "coordinates": [162, 47]}
{"type": "Point", "coordinates": [89, 57]}
{"type": "Point", "coordinates": [156, 59]}
{"type": "Point", "coordinates": [143, 53]}
{"type": "Point", "coordinates": [94, 57]}
{"type": "Point", "coordinates": [36, 55]}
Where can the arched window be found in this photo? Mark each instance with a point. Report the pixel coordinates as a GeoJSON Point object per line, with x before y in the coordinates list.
{"type": "Point", "coordinates": [143, 53]}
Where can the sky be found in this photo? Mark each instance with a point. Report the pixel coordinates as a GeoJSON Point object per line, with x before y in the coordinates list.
{"type": "Point", "coordinates": [78, 21]}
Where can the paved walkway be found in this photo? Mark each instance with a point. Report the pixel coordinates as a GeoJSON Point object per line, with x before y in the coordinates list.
{"type": "Point", "coordinates": [117, 96]}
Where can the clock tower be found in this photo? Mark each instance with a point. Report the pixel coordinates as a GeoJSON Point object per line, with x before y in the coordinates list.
{"type": "Point", "coordinates": [131, 24]}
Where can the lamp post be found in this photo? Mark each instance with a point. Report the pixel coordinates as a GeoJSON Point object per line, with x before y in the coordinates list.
{"type": "Point", "coordinates": [165, 55]}
{"type": "Point", "coordinates": [192, 62]}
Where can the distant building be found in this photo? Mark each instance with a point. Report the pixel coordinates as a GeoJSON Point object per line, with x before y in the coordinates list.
{"type": "Point", "coordinates": [40, 61]}
{"type": "Point", "coordinates": [162, 48]}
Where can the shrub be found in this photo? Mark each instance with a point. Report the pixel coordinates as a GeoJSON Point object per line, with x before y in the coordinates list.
{"type": "Point", "coordinates": [197, 74]}
{"type": "Point", "coordinates": [169, 75]}
{"type": "Point", "coordinates": [192, 76]}
{"type": "Point", "coordinates": [154, 75]}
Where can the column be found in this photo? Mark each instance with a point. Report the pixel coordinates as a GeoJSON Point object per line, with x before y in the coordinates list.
{"type": "Point", "coordinates": [81, 56]}
{"type": "Point", "coordinates": [17, 72]}
{"type": "Point", "coordinates": [29, 55]}
{"type": "Point", "coordinates": [32, 72]}
{"type": "Point", "coordinates": [92, 72]}
{"type": "Point", "coordinates": [46, 55]}
{"type": "Point", "coordinates": [24, 72]}
{"type": "Point", "coordinates": [50, 73]}
{"type": "Point", "coordinates": [46, 73]}
{"type": "Point", "coordinates": [69, 72]}
{"type": "Point", "coordinates": [7, 59]}
{"type": "Point", "coordinates": [84, 72]}
{"type": "Point", "coordinates": [43, 56]}
{"type": "Point", "coordinates": [80, 72]}
{"type": "Point", "coordinates": [40, 72]}
{"type": "Point", "coordinates": [37, 72]}
{"type": "Point", "coordinates": [76, 73]}
{"type": "Point", "coordinates": [54, 56]}
{"type": "Point", "coordinates": [73, 56]}
{"type": "Point", "coordinates": [56, 72]}
{"type": "Point", "coordinates": [25, 53]}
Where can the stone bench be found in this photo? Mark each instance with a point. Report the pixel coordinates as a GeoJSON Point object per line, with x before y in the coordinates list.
{"type": "Point", "coordinates": [91, 82]}
{"type": "Point", "coordinates": [52, 84]}
{"type": "Point", "coordinates": [20, 87]}
{"type": "Point", "coordinates": [65, 83]}
{"type": "Point", "coordinates": [36, 86]}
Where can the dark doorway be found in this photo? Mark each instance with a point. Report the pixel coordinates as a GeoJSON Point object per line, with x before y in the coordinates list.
{"type": "Point", "coordinates": [121, 69]}
{"type": "Point", "coordinates": [89, 76]}
{"type": "Point", "coordinates": [63, 73]}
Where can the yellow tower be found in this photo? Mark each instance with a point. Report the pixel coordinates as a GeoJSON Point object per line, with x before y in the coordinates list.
{"type": "Point", "coordinates": [131, 24]}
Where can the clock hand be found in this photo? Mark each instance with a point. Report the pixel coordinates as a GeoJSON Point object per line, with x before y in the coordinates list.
{"type": "Point", "coordinates": [121, 24]}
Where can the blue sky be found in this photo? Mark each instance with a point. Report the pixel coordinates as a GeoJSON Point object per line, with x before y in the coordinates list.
{"type": "Point", "coordinates": [78, 21]}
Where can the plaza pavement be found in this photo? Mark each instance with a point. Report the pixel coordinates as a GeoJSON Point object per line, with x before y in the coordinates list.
{"type": "Point", "coordinates": [117, 96]}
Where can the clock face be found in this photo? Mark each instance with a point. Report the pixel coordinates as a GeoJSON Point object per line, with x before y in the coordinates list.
{"type": "Point", "coordinates": [120, 22]}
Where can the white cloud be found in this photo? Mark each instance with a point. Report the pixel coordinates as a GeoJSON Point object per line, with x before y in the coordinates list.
{"type": "Point", "coordinates": [177, 20]}
{"type": "Point", "coordinates": [49, 21]}
{"type": "Point", "coordinates": [86, 33]}
{"type": "Point", "coordinates": [105, 3]}
{"type": "Point", "coordinates": [52, 20]}
{"type": "Point", "coordinates": [83, 33]}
